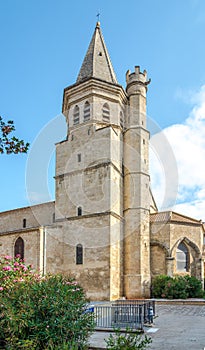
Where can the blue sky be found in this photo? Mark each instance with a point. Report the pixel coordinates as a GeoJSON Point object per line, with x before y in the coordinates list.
{"type": "Point", "coordinates": [43, 44]}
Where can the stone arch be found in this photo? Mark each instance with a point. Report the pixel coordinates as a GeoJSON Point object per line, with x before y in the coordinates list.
{"type": "Point", "coordinates": [159, 253]}
{"type": "Point", "coordinates": [188, 243]}
{"type": "Point", "coordinates": [194, 257]}
{"type": "Point", "coordinates": [163, 246]}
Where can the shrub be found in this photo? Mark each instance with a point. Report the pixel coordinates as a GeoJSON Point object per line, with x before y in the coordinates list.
{"type": "Point", "coordinates": [41, 313]}
{"type": "Point", "coordinates": [178, 287]}
{"type": "Point", "coordinates": [194, 287]}
{"type": "Point", "coordinates": [130, 340]}
{"type": "Point", "coordinates": [158, 285]}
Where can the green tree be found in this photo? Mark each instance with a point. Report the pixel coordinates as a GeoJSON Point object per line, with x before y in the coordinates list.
{"type": "Point", "coordinates": [10, 144]}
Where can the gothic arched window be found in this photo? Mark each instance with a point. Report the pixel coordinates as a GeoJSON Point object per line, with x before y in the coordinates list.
{"type": "Point", "coordinates": [182, 258]}
{"type": "Point", "coordinates": [106, 112]}
{"type": "Point", "coordinates": [76, 115]}
{"type": "Point", "coordinates": [86, 111]}
{"type": "Point", "coordinates": [79, 254]}
{"type": "Point", "coordinates": [19, 248]}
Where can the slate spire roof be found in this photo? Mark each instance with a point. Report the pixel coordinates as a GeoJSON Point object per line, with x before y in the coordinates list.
{"type": "Point", "coordinates": [97, 63]}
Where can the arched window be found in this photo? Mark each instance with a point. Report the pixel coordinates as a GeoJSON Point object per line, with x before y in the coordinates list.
{"type": "Point", "coordinates": [79, 211]}
{"type": "Point", "coordinates": [106, 112]}
{"type": "Point", "coordinates": [19, 248]}
{"type": "Point", "coordinates": [76, 115]}
{"type": "Point", "coordinates": [86, 111]}
{"type": "Point", "coordinates": [182, 258]}
{"type": "Point", "coordinates": [121, 120]}
{"type": "Point", "coordinates": [79, 254]}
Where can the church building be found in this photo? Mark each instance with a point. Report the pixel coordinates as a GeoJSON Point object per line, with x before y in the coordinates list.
{"type": "Point", "coordinates": [104, 227]}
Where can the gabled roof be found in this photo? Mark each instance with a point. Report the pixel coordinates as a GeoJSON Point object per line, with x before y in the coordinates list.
{"type": "Point", "coordinates": [97, 63]}
{"type": "Point", "coordinates": [171, 216]}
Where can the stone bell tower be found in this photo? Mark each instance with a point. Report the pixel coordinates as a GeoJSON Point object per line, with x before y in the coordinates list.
{"type": "Point", "coordinates": [89, 191]}
{"type": "Point", "coordinates": [136, 189]}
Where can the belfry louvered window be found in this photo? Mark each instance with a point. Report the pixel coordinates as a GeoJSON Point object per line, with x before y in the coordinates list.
{"type": "Point", "coordinates": [106, 112]}
{"type": "Point", "coordinates": [86, 111]}
{"type": "Point", "coordinates": [121, 120]}
{"type": "Point", "coordinates": [79, 254]}
{"type": "Point", "coordinates": [76, 115]}
{"type": "Point", "coordinates": [19, 248]}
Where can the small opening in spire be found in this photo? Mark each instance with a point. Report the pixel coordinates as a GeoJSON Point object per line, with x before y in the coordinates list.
{"type": "Point", "coordinates": [100, 53]}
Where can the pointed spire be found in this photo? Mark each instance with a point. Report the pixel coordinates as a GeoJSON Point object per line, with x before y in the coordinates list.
{"type": "Point", "coordinates": [97, 63]}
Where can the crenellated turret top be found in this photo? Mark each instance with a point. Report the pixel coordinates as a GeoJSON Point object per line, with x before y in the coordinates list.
{"type": "Point", "coordinates": [97, 63]}
{"type": "Point", "coordinates": [137, 76]}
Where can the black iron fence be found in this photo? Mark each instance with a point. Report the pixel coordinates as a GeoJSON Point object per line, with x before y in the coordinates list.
{"type": "Point", "coordinates": [125, 313]}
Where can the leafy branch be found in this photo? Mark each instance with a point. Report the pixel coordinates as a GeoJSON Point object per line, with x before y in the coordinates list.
{"type": "Point", "coordinates": [10, 144]}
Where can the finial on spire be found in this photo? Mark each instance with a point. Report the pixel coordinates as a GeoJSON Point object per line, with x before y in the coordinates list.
{"type": "Point", "coordinates": [98, 21]}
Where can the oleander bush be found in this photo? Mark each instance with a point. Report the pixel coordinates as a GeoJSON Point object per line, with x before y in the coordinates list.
{"type": "Point", "coordinates": [178, 287]}
{"type": "Point", "coordinates": [41, 313]}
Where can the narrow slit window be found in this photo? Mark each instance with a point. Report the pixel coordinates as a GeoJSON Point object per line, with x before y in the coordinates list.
{"type": "Point", "coordinates": [79, 211]}
{"type": "Point", "coordinates": [79, 254]}
{"type": "Point", "coordinates": [24, 223]}
{"type": "Point", "coordinates": [79, 157]}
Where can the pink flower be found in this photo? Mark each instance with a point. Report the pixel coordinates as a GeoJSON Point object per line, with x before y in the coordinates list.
{"type": "Point", "coordinates": [8, 257]}
{"type": "Point", "coordinates": [16, 263]}
{"type": "Point", "coordinates": [16, 269]}
{"type": "Point", "coordinates": [7, 268]}
{"type": "Point", "coordinates": [1, 288]}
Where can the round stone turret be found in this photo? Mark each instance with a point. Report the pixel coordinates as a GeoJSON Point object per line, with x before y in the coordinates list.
{"type": "Point", "coordinates": [137, 82]}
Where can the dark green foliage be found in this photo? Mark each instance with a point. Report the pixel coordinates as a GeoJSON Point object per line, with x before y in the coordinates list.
{"type": "Point", "coordinates": [130, 340]}
{"type": "Point", "coordinates": [158, 285]}
{"type": "Point", "coordinates": [10, 144]}
{"type": "Point", "coordinates": [45, 314]}
{"type": "Point", "coordinates": [194, 287]}
{"type": "Point", "coordinates": [178, 287]}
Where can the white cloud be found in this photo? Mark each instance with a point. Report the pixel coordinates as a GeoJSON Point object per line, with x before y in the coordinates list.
{"type": "Point", "coordinates": [187, 141]}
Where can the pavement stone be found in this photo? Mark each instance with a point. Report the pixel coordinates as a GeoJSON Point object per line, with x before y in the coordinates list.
{"type": "Point", "coordinates": [176, 327]}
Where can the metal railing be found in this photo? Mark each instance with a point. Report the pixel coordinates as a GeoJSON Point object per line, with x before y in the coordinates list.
{"type": "Point", "coordinates": [124, 313]}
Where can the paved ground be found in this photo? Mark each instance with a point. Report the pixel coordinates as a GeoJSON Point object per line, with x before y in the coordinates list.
{"type": "Point", "coordinates": [177, 327]}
